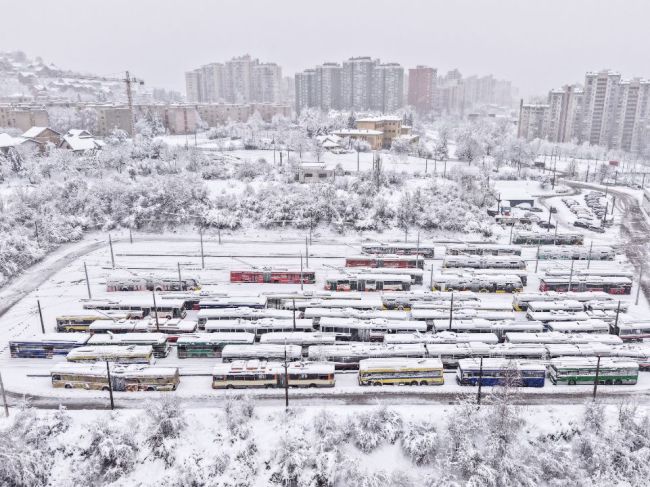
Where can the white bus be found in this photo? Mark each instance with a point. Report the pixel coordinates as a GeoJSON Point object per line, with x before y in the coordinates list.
{"type": "Point", "coordinates": [547, 316]}
{"type": "Point", "coordinates": [158, 341]}
{"type": "Point", "coordinates": [350, 329]}
{"type": "Point", "coordinates": [588, 326]}
{"type": "Point", "coordinates": [557, 337]}
{"type": "Point", "coordinates": [112, 353]}
{"type": "Point", "coordinates": [484, 262]}
{"type": "Point", "coordinates": [259, 327]}
{"type": "Point", "coordinates": [482, 249]}
{"type": "Point", "coordinates": [259, 351]}
{"type": "Point", "coordinates": [633, 331]}
{"type": "Point", "coordinates": [477, 283]}
{"type": "Point", "coordinates": [573, 252]}
{"type": "Point", "coordinates": [520, 300]}
{"type": "Point", "coordinates": [255, 373]}
{"type": "Point", "coordinates": [431, 315]}
{"type": "Point", "coordinates": [568, 305]}
{"type": "Point", "coordinates": [442, 337]}
{"type": "Point", "coordinates": [347, 356]}
{"type": "Point", "coordinates": [319, 313]}
{"type": "Point", "coordinates": [401, 371]}
{"type": "Point", "coordinates": [251, 314]}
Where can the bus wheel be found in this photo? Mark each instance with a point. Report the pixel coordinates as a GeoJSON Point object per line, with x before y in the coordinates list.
{"type": "Point", "coordinates": [423, 383]}
{"type": "Point", "coordinates": [105, 388]}
{"type": "Point", "coordinates": [230, 386]}
{"type": "Point", "coordinates": [608, 382]}
{"type": "Point", "coordinates": [269, 386]}
{"type": "Point", "coordinates": [68, 386]}
{"type": "Point", "coordinates": [376, 384]}
{"type": "Point", "coordinates": [414, 383]}
{"type": "Point", "coordinates": [618, 382]}
{"type": "Point", "coordinates": [311, 386]}
{"type": "Point", "coordinates": [572, 382]}
{"type": "Point", "coordinates": [151, 389]}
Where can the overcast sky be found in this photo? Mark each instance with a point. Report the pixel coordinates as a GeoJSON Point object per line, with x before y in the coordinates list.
{"type": "Point", "coordinates": [537, 44]}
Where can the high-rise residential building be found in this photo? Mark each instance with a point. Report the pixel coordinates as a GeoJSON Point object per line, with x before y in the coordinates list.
{"type": "Point", "coordinates": [600, 104]}
{"type": "Point", "coordinates": [240, 80]}
{"type": "Point", "coordinates": [193, 81]}
{"type": "Point", "coordinates": [359, 84]}
{"type": "Point", "coordinates": [533, 121]}
{"type": "Point", "coordinates": [266, 82]}
{"type": "Point", "coordinates": [421, 88]}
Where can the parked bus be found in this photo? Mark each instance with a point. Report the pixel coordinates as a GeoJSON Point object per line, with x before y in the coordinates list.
{"type": "Point", "coordinates": [516, 326]}
{"type": "Point", "coordinates": [478, 283]}
{"type": "Point", "coordinates": [548, 238]}
{"type": "Point", "coordinates": [572, 252]}
{"type": "Point", "coordinates": [259, 327]}
{"type": "Point", "coordinates": [417, 275]}
{"type": "Point", "coordinates": [426, 251]}
{"type": "Point", "coordinates": [484, 262]}
{"type": "Point", "coordinates": [557, 337]}
{"type": "Point", "coordinates": [259, 351]}
{"type": "Point", "coordinates": [430, 315]}
{"type": "Point", "coordinates": [255, 302]}
{"type": "Point", "coordinates": [582, 370]}
{"type": "Point", "coordinates": [442, 337]}
{"type": "Point", "coordinates": [451, 354]}
{"type": "Point", "coordinates": [389, 261]}
{"type": "Point", "coordinates": [355, 303]}
{"type": "Point", "coordinates": [400, 371]}
{"type": "Point", "coordinates": [132, 354]}
{"type": "Point", "coordinates": [274, 276]}
{"type": "Point", "coordinates": [350, 329]}
{"type": "Point", "coordinates": [248, 314]}
{"type": "Point", "coordinates": [209, 345]}
{"type": "Point", "coordinates": [555, 350]}
{"type": "Point", "coordinates": [611, 285]}
{"type": "Point", "coordinates": [347, 356]}
{"type": "Point", "coordinates": [121, 326]}
{"type": "Point", "coordinates": [47, 345]}
{"type": "Point", "coordinates": [556, 315]}
{"type": "Point", "coordinates": [512, 351]}
{"type": "Point", "coordinates": [487, 305]}
{"type": "Point", "coordinates": [520, 273]}
{"type": "Point", "coordinates": [300, 338]}
{"type": "Point", "coordinates": [123, 377]}
{"type": "Point", "coordinates": [482, 249]}
{"type": "Point", "coordinates": [255, 373]}
{"type": "Point", "coordinates": [82, 320]}
{"type": "Point", "coordinates": [633, 331]}
{"type": "Point", "coordinates": [151, 283]}
{"type": "Point", "coordinates": [585, 326]}
{"type": "Point", "coordinates": [500, 372]}
{"type": "Point", "coordinates": [166, 308]}
{"type": "Point", "coordinates": [158, 341]}
{"type": "Point", "coordinates": [520, 301]}
{"type": "Point", "coordinates": [406, 300]}
{"type": "Point", "coordinates": [567, 305]}
{"type": "Point", "coordinates": [369, 282]}
{"type": "Point", "coordinates": [473, 325]}
{"type": "Point", "coordinates": [361, 314]}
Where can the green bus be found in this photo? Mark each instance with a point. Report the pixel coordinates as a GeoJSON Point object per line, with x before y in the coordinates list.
{"type": "Point", "coordinates": [209, 345]}
{"type": "Point", "coordinates": [582, 370]}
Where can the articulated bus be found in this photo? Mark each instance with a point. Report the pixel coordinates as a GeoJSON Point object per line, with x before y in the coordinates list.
{"type": "Point", "coordinates": [166, 308]}
{"type": "Point", "coordinates": [257, 302]}
{"type": "Point", "coordinates": [548, 238]}
{"type": "Point", "coordinates": [417, 275]}
{"type": "Point", "coordinates": [484, 262]}
{"type": "Point", "coordinates": [572, 252]}
{"type": "Point", "coordinates": [401, 371]}
{"type": "Point", "coordinates": [477, 283]}
{"type": "Point", "coordinates": [158, 341]}
{"type": "Point", "coordinates": [482, 249]}
{"type": "Point", "coordinates": [250, 314]}
{"type": "Point", "coordinates": [132, 354]}
{"type": "Point", "coordinates": [123, 377]}
{"type": "Point", "coordinates": [568, 305]}
{"type": "Point", "coordinates": [81, 321]}
{"type": "Point", "coordinates": [317, 314]}
{"type": "Point", "coordinates": [271, 353]}
{"type": "Point", "coordinates": [520, 301]}
{"type": "Point", "coordinates": [47, 345]}
{"type": "Point", "coordinates": [520, 273]}
{"type": "Point", "coordinates": [300, 338]}
{"type": "Point", "coordinates": [585, 326]}
{"type": "Point", "coordinates": [556, 315]}
{"type": "Point", "coordinates": [407, 300]}
{"type": "Point", "coordinates": [426, 251]}
{"type": "Point", "coordinates": [259, 328]}
{"type": "Point", "coordinates": [355, 302]}
{"type": "Point", "coordinates": [255, 373]}
{"type": "Point", "coordinates": [388, 261]}
{"type": "Point", "coordinates": [151, 283]}
{"type": "Point", "coordinates": [430, 315]}
{"type": "Point", "coordinates": [582, 370]}
{"type": "Point", "coordinates": [209, 345]}
{"type": "Point", "coordinates": [274, 276]}
{"type": "Point", "coordinates": [368, 282]}
{"type": "Point", "coordinates": [347, 356]}
{"type": "Point", "coordinates": [495, 372]}
{"type": "Point", "coordinates": [551, 337]}
{"type": "Point", "coordinates": [611, 285]}
{"type": "Point", "coordinates": [350, 329]}
{"type": "Point", "coordinates": [442, 338]}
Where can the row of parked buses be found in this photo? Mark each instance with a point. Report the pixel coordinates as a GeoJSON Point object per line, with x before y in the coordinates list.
{"type": "Point", "coordinates": [151, 283]}
{"type": "Point", "coordinates": [484, 262]}
{"type": "Point", "coordinates": [548, 238]}
{"type": "Point", "coordinates": [572, 252]}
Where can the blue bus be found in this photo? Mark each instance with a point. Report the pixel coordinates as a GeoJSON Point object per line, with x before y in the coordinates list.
{"type": "Point", "coordinates": [500, 372]}
{"type": "Point", "coordinates": [47, 345]}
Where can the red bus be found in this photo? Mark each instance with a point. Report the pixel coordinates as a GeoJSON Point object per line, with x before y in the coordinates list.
{"type": "Point", "coordinates": [390, 261]}
{"type": "Point", "coordinates": [277, 276]}
{"type": "Point", "coordinates": [611, 285]}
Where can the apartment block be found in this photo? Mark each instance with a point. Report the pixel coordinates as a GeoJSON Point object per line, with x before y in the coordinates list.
{"type": "Point", "coordinates": [533, 121]}
{"type": "Point", "coordinates": [23, 117]}
{"type": "Point", "coordinates": [422, 88]}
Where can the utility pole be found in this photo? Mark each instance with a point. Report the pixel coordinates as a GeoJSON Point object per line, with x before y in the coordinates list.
{"type": "Point", "coordinates": [417, 253]}
{"type": "Point", "coordinates": [618, 310]}
{"type": "Point", "coordinates": [426, 165]}
{"type": "Point", "coordinates": [638, 289]}
{"type": "Point", "coordinates": [597, 377]}
{"type": "Point", "coordinates": [591, 246]}
{"type": "Point", "coordinates": [294, 314]}
{"type": "Point", "coordinates": [571, 274]}
{"type": "Point", "coordinates": [38, 243]}
{"type": "Point", "coordinates": [550, 213]}
{"type": "Point", "coordinates": [301, 278]}
{"type": "Point", "coordinates": [87, 281]}
{"type": "Point", "coordinates": [130, 236]}
{"type": "Point", "coordinates": [307, 252]}
{"type": "Point", "coordinates": [202, 256]}
{"type": "Point", "coordinates": [537, 257]}
{"type": "Point", "coordinates": [40, 315]}
{"type": "Point", "coordinates": [155, 310]}
{"type": "Point", "coordinates": [480, 382]}
{"type": "Point", "coordinates": [286, 378]}
{"type": "Point", "coordinates": [128, 80]}
{"type": "Point", "coordinates": [110, 244]}
{"type": "Point", "coordinates": [512, 227]}
{"type": "Point", "coordinates": [555, 236]}
{"type": "Point", "coordinates": [110, 384]}
{"type": "Point", "coordinates": [180, 281]}
{"type": "Point", "coordinates": [451, 310]}
{"type": "Point", "coordinates": [4, 397]}
{"type": "Point", "coordinates": [431, 279]}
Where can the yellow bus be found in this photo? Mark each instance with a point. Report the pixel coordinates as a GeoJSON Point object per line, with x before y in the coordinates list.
{"type": "Point", "coordinates": [131, 354]}
{"type": "Point", "coordinates": [401, 371]}
{"type": "Point", "coordinates": [123, 377]}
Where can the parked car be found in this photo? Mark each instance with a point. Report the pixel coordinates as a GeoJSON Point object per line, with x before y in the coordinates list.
{"type": "Point", "coordinates": [546, 225]}
{"type": "Point", "coordinates": [581, 223]}
{"type": "Point", "coordinates": [596, 228]}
